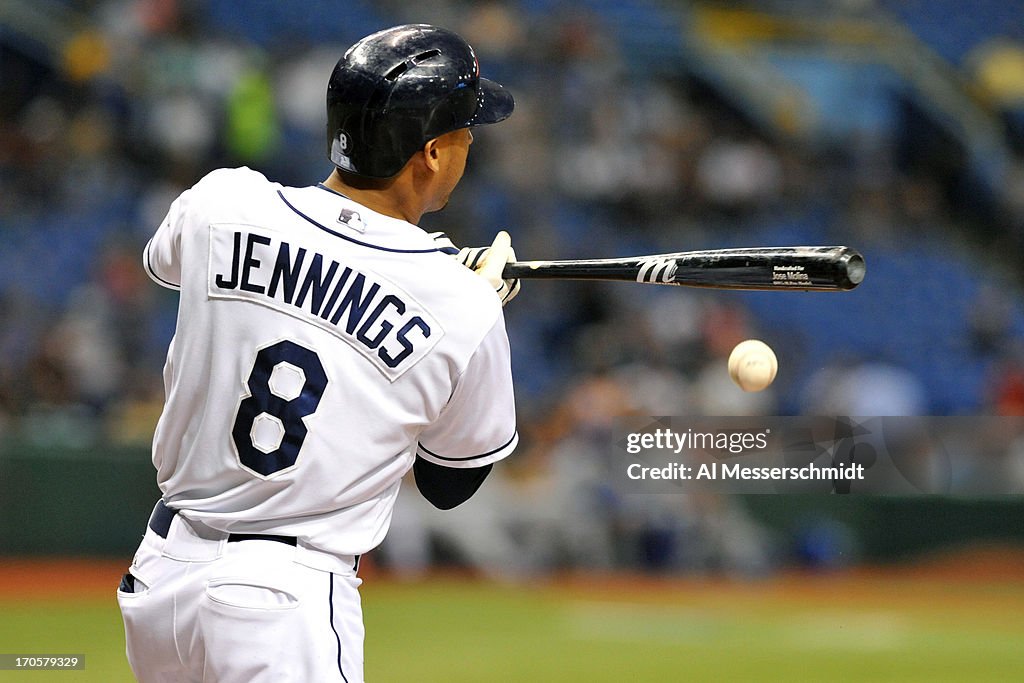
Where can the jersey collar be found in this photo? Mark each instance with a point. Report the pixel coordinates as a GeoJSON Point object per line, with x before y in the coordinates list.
{"type": "Point", "coordinates": [382, 232]}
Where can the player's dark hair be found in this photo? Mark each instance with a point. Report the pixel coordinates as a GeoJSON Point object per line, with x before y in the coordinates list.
{"type": "Point", "coordinates": [362, 182]}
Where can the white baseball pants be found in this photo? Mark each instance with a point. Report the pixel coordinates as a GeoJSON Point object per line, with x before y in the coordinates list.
{"type": "Point", "coordinates": [202, 609]}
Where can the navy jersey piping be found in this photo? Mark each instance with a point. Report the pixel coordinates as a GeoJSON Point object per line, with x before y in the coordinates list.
{"type": "Point", "coordinates": [332, 191]}
{"type": "Point", "coordinates": [351, 239]}
{"type": "Point", "coordinates": [502, 447]}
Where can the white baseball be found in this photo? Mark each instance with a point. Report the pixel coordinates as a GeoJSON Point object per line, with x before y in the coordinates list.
{"type": "Point", "coordinates": [752, 365]}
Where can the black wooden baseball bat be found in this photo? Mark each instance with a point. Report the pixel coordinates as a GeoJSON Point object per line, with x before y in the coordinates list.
{"type": "Point", "coordinates": [809, 269]}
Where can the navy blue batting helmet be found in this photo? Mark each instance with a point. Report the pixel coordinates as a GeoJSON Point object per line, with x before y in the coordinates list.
{"type": "Point", "coordinates": [397, 89]}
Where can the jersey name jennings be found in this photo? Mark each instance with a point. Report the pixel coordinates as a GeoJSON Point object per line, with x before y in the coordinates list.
{"type": "Point", "coordinates": [371, 314]}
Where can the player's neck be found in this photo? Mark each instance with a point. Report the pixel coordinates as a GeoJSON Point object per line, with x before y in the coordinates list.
{"type": "Point", "coordinates": [393, 198]}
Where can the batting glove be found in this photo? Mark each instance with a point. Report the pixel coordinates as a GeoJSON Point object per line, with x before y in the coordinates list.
{"type": "Point", "coordinates": [488, 263]}
{"type": "Point", "coordinates": [475, 258]}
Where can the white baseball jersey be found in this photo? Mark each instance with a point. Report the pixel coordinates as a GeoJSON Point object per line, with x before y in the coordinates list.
{"type": "Point", "coordinates": [319, 348]}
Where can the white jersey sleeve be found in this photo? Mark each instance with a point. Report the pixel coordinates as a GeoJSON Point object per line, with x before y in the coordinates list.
{"type": "Point", "coordinates": [477, 426]}
{"type": "Point", "coordinates": [162, 256]}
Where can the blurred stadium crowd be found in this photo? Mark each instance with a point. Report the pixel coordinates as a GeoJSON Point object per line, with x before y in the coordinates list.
{"type": "Point", "coordinates": [640, 127]}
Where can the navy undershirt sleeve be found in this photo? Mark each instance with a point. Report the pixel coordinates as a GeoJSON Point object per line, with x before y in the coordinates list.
{"type": "Point", "coordinates": [447, 487]}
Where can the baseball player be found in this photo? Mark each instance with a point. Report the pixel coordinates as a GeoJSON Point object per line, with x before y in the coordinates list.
{"type": "Point", "coordinates": [324, 346]}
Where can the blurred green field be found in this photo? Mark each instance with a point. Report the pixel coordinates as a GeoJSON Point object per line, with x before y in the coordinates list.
{"type": "Point", "coordinates": [864, 627]}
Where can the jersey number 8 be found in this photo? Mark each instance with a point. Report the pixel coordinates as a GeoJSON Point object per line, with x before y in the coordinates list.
{"type": "Point", "coordinates": [286, 384]}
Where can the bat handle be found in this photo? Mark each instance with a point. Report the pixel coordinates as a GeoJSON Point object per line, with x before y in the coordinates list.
{"type": "Point", "coordinates": [521, 269]}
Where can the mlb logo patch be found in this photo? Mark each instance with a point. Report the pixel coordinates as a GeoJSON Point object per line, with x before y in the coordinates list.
{"type": "Point", "coordinates": [352, 219]}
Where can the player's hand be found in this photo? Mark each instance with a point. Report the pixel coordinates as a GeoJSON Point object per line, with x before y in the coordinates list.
{"type": "Point", "coordinates": [488, 262]}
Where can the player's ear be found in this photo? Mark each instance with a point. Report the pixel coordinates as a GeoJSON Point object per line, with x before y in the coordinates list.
{"type": "Point", "coordinates": [432, 155]}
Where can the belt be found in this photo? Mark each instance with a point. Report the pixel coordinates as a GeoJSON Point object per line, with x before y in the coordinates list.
{"type": "Point", "coordinates": [160, 523]}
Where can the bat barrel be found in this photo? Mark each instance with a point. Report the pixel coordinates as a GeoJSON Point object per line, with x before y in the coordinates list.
{"type": "Point", "coordinates": [814, 269]}
{"type": "Point", "coordinates": [831, 268]}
